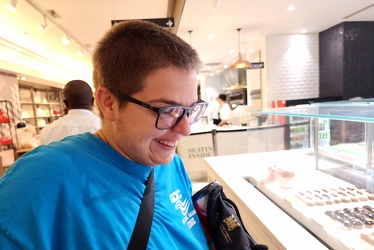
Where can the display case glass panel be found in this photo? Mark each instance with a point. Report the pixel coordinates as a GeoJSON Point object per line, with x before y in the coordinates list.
{"type": "Point", "coordinates": [340, 138]}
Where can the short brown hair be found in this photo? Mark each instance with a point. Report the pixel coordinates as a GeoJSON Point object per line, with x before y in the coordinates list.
{"type": "Point", "coordinates": [130, 50]}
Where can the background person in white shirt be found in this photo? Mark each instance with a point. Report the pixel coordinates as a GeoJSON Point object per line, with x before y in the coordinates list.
{"type": "Point", "coordinates": [78, 98]}
{"type": "Point", "coordinates": [224, 110]}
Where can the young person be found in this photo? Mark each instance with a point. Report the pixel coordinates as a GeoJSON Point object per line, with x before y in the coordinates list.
{"type": "Point", "coordinates": [84, 192]}
{"type": "Point", "coordinates": [224, 111]}
{"type": "Point", "coordinates": [78, 98]}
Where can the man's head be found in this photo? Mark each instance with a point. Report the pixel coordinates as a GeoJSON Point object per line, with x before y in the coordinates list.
{"type": "Point", "coordinates": [78, 95]}
{"type": "Point", "coordinates": [130, 50]}
{"type": "Point", "coordinates": [146, 82]}
{"type": "Point", "coordinates": [221, 99]}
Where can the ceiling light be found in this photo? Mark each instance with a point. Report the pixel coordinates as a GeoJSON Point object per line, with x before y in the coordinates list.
{"type": "Point", "coordinates": [44, 25]}
{"type": "Point", "coordinates": [190, 31]}
{"type": "Point", "coordinates": [215, 4]}
{"type": "Point", "coordinates": [80, 52]}
{"type": "Point", "coordinates": [65, 40]}
{"type": "Point", "coordinates": [12, 5]}
{"type": "Point", "coordinates": [291, 8]}
{"type": "Point", "coordinates": [240, 63]}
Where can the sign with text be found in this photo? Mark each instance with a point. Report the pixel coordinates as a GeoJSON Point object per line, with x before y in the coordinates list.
{"type": "Point", "coordinates": [163, 22]}
{"type": "Point", "coordinates": [257, 65]}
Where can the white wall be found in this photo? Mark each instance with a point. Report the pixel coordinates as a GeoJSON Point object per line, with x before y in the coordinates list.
{"type": "Point", "coordinates": [292, 67]}
{"type": "Point", "coordinates": [212, 88]}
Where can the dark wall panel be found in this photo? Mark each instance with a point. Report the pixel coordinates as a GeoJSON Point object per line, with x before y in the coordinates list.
{"type": "Point", "coordinates": [347, 60]}
{"type": "Point", "coordinates": [331, 61]}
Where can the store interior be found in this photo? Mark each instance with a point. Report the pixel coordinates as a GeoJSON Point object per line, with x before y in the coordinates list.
{"type": "Point", "coordinates": [295, 59]}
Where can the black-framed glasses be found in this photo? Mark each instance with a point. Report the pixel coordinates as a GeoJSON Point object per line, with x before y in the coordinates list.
{"type": "Point", "coordinates": [170, 116]}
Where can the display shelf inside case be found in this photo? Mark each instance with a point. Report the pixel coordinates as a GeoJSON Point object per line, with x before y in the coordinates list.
{"type": "Point", "coordinates": [357, 111]}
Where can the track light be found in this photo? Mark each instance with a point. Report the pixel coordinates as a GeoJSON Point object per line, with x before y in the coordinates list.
{"type": "Point", "coordinates": [43, 26]}
{"type": "Point", "coordinates": [240, 63]}
{"type": "Point", "coordinates": [190, 31]}
{"type": "Point", "coordinates": [12, 5]}
{"type": "Point", "coordinates": [65, 40]}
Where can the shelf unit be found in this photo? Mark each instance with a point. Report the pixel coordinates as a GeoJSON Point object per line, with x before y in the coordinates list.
{"type": "Point", "coordinates": [8, 136]}
{"type": "Point", "coordinates": [40, 106]}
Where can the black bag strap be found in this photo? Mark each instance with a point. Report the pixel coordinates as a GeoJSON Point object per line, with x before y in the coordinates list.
{"type": "Point", "coordinates": [140, 235]}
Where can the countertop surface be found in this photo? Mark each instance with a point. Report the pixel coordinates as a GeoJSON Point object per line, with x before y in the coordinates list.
{"type": "Point", "coordinates": [267, 221]}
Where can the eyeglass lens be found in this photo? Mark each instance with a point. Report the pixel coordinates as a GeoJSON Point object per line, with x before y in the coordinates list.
{"type": "Point", "coordinates": [171, 116]}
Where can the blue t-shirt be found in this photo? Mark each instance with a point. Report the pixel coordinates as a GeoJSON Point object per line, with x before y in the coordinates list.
{"type": "Point", "coordinates": [79, 193]}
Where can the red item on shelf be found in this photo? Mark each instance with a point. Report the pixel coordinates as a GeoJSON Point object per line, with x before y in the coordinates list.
{"type": "Point", "coordinates": [4, 119]}
{"type": "Point", "coordinates": [6, 141]}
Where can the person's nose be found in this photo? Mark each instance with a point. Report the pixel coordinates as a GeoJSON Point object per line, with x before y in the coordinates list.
{"type": "Point", "coordinates": [183, 127]}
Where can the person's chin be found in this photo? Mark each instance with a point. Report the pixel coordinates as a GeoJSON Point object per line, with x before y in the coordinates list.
{"type": "Point", "coordinates": [166, 159]}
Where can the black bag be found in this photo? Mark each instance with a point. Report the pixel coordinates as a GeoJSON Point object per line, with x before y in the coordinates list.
{"type": "Point", "coordinates": [221, 220]}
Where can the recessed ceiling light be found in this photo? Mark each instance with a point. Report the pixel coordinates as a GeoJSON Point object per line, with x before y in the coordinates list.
{"type": "Point", "coordinates": [80, 52]}
{"type": "Point", "coordinates": [44, 25]}
{"type": "Point", "coordinates": [65, 40]}
{"type": "Point", "coordinates": [12, 5]}
{"type": "Point", "coordinates": [210, 37]}
{"type": "Point", "coordinates": [291, 8]}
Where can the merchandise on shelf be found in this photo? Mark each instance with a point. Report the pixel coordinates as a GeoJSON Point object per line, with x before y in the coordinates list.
{"type": "Point", "coordinates": [8, 138]}
{"type": "Point", "coordinates": [40, 106]}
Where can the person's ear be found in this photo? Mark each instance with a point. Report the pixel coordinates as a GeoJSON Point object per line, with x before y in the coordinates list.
{"type": "Point", "coordinates": [107, 103]}
{"type": "Point", "coordinates": [66, 103]}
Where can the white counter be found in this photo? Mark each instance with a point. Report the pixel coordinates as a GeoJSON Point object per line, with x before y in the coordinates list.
{"type": "Point", "coordinates": [229, 140]}
{"type": "Point", "coordinates": [267, 222]}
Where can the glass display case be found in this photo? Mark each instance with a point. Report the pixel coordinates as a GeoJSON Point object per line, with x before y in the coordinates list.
{"type": "Point", "coordinates": [326, 187]}
{"type": "Point", "coordinates": [322, 192]}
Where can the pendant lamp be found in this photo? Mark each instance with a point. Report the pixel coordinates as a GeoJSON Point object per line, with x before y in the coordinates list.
{"type": "Point", "coordinates": [240, 63]}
